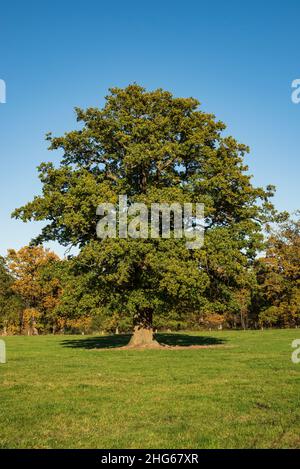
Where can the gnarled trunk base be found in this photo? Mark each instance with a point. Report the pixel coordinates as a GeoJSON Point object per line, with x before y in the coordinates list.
{"type": "Point", "coordinates": [143, 331]}
{"type": "Point", "coordinates": [143, 338]}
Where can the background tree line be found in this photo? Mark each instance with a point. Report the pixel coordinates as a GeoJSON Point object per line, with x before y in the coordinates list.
{"type": "Point", "coordinates": [40, 293]}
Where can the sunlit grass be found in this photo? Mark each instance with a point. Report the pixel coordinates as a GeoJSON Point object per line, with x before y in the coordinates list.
{"type": "Point", "coordinates": [61, 392]}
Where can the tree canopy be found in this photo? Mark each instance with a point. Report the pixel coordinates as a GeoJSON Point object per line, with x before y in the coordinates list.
{"type": "Point", "coordinates": [278, 276]}
{"type": "Point", "coordinates": [155, 148]}
{"type": "Point", "coordinates": [39, 293]}
{"type": "Point", "coordinates": [10, 302]}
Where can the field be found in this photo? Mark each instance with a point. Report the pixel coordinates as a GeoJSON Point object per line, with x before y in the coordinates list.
{"type": "Point", "coordinates": [67, 392]}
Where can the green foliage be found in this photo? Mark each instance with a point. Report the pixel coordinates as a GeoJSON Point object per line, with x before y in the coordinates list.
{"type": "Point", "coordinates": [278, 276]}
{"type": "Point", "coordinates": [154, 148]}
{"type": "Point", "coordinates": [10, 302]}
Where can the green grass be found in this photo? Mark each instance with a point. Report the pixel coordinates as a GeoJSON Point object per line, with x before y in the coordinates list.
{"type": "Point", "coordinates": [59, 392]}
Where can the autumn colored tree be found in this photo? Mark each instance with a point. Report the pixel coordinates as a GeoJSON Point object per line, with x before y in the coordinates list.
{"type": "Point", "coordinates": [153, 147]}
{"type": "Point", "coordinates": [39, 293]}
{"type": "Point", "coordinates": [278, 274]}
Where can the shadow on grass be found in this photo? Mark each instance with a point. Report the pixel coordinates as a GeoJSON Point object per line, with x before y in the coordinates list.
{"type": "Point", "coordinates": [114, 341]}
{"type": "Point", "coordinates": [186, 340]}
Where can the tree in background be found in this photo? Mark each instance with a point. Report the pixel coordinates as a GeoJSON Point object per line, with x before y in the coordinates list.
{"type": "Point", "coordinates": [154, 148]}
{"type": "Point", "coordinates": [39, 292]}
{"type": "Point", "coordinates": [67, 306]}
{"type": "Point", "coordinates": [10, 302]}
{"type": "Point", "coordinates": [278, 275]}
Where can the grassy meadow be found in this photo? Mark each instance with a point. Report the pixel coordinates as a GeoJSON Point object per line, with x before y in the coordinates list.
{"type": "Point", "coordinates": [70, 392]}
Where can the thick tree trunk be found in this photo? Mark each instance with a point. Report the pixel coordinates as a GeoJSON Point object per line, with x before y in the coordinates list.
{"type": "Point", "coordinates": [142, 337]}
{"type": "Point", "coordinates": [143, 332]}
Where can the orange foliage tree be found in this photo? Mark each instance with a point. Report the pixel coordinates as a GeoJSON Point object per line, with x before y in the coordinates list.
{"type": "Point", "coordinates": [39, 294]}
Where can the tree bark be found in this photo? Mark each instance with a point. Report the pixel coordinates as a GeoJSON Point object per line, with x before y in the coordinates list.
{"type": "Point", "coordinates": [143, 332]}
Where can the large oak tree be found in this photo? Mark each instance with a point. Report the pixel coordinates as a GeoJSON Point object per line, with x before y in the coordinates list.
{"type": "Point", "coordinates": [153, 147]}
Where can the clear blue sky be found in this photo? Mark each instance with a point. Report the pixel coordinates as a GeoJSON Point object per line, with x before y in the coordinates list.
{"type": "Point", "coordinates": [237, 58]}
